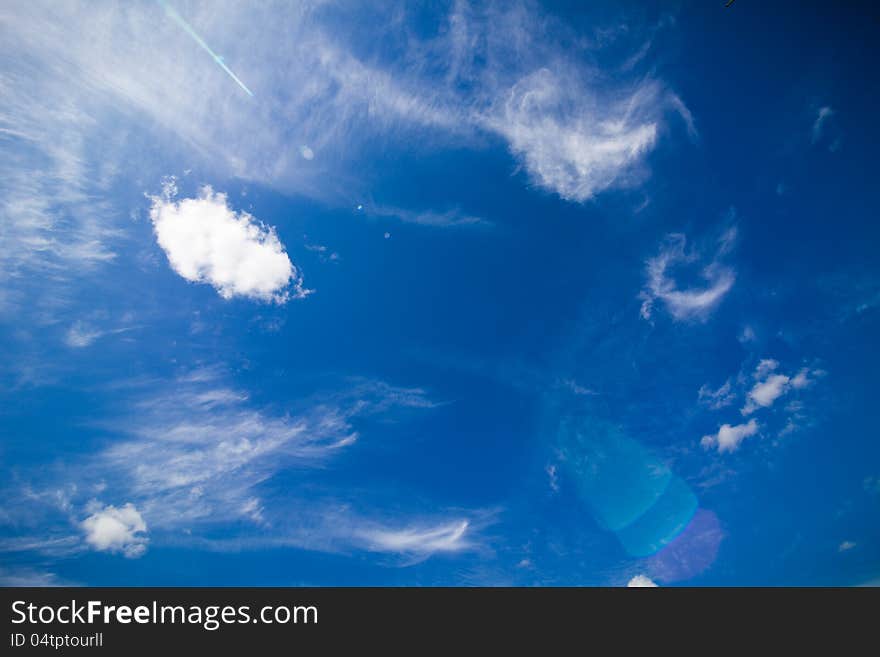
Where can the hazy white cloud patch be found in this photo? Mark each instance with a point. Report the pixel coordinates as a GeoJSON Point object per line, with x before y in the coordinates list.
{"type": "Point", "coordinates": [747, 335]}
{"type": "Point", "coordinates": [719, 398]}
{"type": "Point", "coordinates": [823, 115]}
{"type": "Point", "coordinates": [323, 252]}
{"type": "Point", "coordinates": [846, 546]}
{"type": "Point", "coordinates": [687, 302]}
{"type": "Point", "coordinates": [206, 241]}
{"type": "Point", "coordinates": [113, 529]}
{"type": "Point", "coordinates": [641, 581]}
{"type": "Point", "coordinates": [728, 438]}
{"type": "Point", "coordinates": [30, 577]}
{"type": "Point", "coordinates": [452, 218]}
{"type": "Point", "coordinates": [81, 335]}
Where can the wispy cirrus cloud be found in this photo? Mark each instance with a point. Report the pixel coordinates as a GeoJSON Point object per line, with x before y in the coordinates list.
{"type": "Point", "coordinates": [688, 302]}
{"type": "Point", "coordinates": [419, 540]}
{"type": "Point", "coordinates": [194, 461]}
{"type": "Point", "coordinates": [79, 103]}
{"type": "Point", "coordinates": [823, 116]}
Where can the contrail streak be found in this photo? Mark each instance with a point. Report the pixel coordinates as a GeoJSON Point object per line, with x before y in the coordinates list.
{"type": "Point", "coordinates": [177, 18]}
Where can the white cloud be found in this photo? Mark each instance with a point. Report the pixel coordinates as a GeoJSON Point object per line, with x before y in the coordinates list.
{"type": "Point", "coordinates": [846, 546]}
{"type": "Point", "coordinates": [729, 437]}
{"type": "Point", "coordinates": [719, 398]}
{"type": "Point", "coordinates": [421, 540]}
{"type": "Point", "coordinates": [686, 302]}
{"type": "Point", "coordinates": [81, 335]}
{"type": "Point", "coordinates": [208, 242]}
{"type": "Point", "coordinates": [802, 379]}
{"type": "Point", "coordinates": [446, 219]}
{"type": "Point", "coordinates": [822, 117]}
{"type": "Point", "coordinates": [641, 581]}
{"type": "Point", "coordinates": [765, 392]}
{"type": "Point", "coordinates": [28, 577]}
{"type": "Point", "coordinates": [117, 530]}
{"type": "Point", "coordinates": [575, 141]}
{"type": "Point", "coordinates": [764, 367]}
{"type": "Point", "coordinates": [770, 385]}
{"type": "Point", "coordinates": [747, 335]}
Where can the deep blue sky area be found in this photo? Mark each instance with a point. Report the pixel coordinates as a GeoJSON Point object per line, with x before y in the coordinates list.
{"type": "Point", "coordinates": [439, 293]}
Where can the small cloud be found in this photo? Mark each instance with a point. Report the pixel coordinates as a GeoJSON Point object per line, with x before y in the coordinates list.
{"type": "Point", "coordinates": [687, 302]}
{"type": "Point", "coordinates": [846, 546]}
{"type": "Point", "coordinates": [801, 379]}
{"type": "Point", "coordinates": [576, 388]}
{"type": "Point", "coordinates": [420, 541]}
{"type": "Point", "coordinates": [452, 218]}
{"type": "Point", "coordinates": [81, 335]}
{"type": "Point", "coordinates": [641, 582]}
{"type": "Point", "coordinates": [28, 577]}
{"type": "Point", "coordinates": [307, 153]}
{"type": "Point", "coordinates": [553, 475]}
{"type": "Point", "coordinates": [387, 236]}
{"type": "Point", "coordinates": [765, 392]}
{"type": "Point", "coordinates": [324, 253]}
{"type": "Point", "coordinates": [822, 117]}
{"type": "Point", "coordinates": [678, 106]}
{"type": "Point", "coordinates": [719, 398]}
{"type": "Point", "coordinates": [747, 335]}
{"type": "Point", "coordinates": [117, 530]}
{"type": "Point", "coordinates": [770, 385]}
{"type": "Point", "coordinates": [208, 242]}
{"type": "Point", "coordinates": [729, 438]}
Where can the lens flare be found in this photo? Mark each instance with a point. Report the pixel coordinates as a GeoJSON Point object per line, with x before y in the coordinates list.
{"type": "Point", "coordinates": [177, 18]}
{"type": "Point", "coordinates": [628, 490]}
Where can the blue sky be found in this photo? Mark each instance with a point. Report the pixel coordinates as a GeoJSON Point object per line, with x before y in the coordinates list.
{"type": "Point", "coordinates": [444, 294]}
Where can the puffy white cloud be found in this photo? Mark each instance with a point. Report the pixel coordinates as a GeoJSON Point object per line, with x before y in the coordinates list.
{"type": "Point", "coordinates": [770, 385]}
{"type": "Point", "coordinates": [728, 438]}
{"type": "Point", "coordinates": [765, 392]}
{"type": "Point", "coordinates": [117, 530]}
{"type": "Point", "coordinates": [206, 241]}
{"type": "Point", "coordinates": [686, 302]}
{"type": "Point", "coordinates": [641, 581]}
